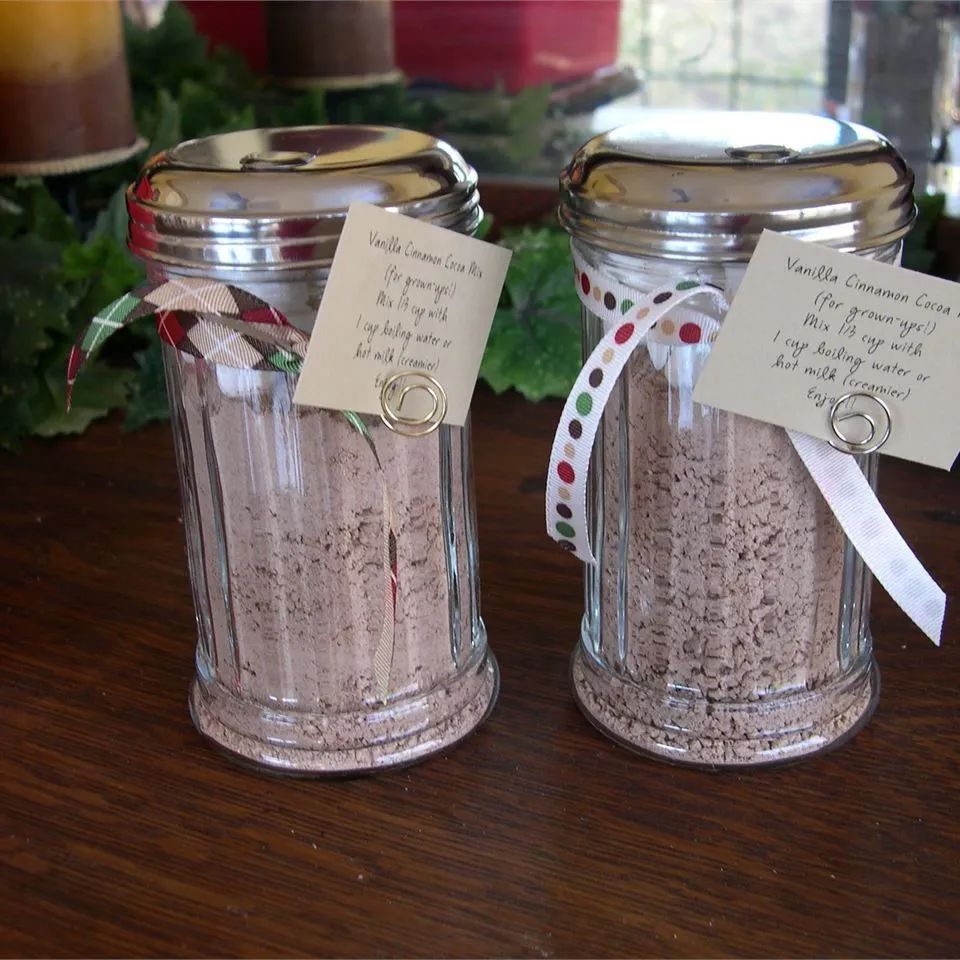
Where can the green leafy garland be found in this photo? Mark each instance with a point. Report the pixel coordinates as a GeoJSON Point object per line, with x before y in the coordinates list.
{"type": "Point", "coordinates": [50, 280]}
{"type": "Point", "coordinates": [63, 249]}
{"type": "Point", "coordinates": [534, 345]}
{"type": "Point", "coordinates": [63, 240]}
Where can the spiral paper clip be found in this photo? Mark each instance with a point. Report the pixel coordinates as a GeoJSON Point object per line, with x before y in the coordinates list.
{"type": "Point", "coordinates": [394, 393]}
{"type": "Point", "coordinates": [877, 434]}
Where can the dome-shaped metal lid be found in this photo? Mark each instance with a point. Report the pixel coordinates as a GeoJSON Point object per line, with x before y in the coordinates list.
{"type": "Point", "coordinates": [703, 185]}
{"type": "Point", "coordinates": [270, 199]}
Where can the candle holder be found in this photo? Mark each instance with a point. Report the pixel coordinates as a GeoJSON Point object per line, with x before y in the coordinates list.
{"type": "Point", "coordinates": [65, 103]}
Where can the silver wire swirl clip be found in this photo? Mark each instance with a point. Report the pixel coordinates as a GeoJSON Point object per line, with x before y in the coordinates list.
{"type": "Point", "coordinates": [878, 423]}
{"type": "Point", "coordinates": [394, 393]}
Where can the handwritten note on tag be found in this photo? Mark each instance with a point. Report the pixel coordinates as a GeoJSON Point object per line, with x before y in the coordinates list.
{"type": "Point", "coordinates": [809, 324]}
{"type": "Point", "coordinates": [402, 296]}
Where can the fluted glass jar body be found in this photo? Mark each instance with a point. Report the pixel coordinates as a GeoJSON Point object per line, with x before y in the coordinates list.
{"type": "Point", "coordinates": [726, 619]}
{"type": "Point", "coordinates": [285, 511]}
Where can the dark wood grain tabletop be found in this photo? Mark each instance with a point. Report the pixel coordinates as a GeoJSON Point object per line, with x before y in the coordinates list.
{"type": "Point", "coordinates": [123, 834]}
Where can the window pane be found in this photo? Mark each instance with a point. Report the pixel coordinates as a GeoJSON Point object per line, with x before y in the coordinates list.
{"type": "Point", "coordinates": [761, 96]}
{"type": "Point", "coordinates": [716, 54]}
{"type": "Point", "coordinates": [690, 36]}
{"type": "Point", "coordinates": [702, 95]}
{"type": "Point", "coordinates": [785, 39]}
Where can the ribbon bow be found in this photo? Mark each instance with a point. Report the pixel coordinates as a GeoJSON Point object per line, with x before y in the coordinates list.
{"type": "Point", "coordinates": [630, 318]}
{"type": "Point", "coordinates": [220, 323]}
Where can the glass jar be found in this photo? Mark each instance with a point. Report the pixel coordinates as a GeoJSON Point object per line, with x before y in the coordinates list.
{"type": "Point", "coordinates": [285, 507]}
{"type": "Point", "coordinates": [726, 619]}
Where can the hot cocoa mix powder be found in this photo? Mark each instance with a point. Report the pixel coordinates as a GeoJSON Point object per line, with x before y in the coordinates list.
{"type": "Point", "coordinates": [288, 574]}
{"type": "Point", "coordinates": [730, 591]}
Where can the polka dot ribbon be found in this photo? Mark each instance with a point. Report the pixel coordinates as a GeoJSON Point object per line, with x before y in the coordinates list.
{"type": "Point", "coordinates": [629, 317]}
{"type": "Point", "coordinates": [872, 533]}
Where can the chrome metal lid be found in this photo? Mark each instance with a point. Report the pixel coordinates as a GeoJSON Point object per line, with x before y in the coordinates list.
{"type": "Point", "coordinates": [275, 199]}
{"type": "Point", "coordinates": [703, 185]}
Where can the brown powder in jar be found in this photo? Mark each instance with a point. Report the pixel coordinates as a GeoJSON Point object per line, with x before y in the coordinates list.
{"type": "Point", "coordinates": [733, 578]}
{"type": "Point", "coordinates": [297, 596]}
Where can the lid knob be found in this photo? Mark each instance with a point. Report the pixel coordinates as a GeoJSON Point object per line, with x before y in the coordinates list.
{"type": "Point", "coordinates": [760, 153]}
{"type": "Point", "coordinates": [276, 160]}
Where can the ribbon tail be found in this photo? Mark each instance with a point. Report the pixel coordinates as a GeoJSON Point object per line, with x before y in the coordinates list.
{"type": "Point", "coordinates": [872, 533]}
{"type": "Point", "coordinates": [122, 312]}
{"type": "Point", "coordinates": [383, 657]}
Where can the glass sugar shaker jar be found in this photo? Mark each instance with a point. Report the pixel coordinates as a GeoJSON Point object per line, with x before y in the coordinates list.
{"type": "Point", "coordinates": [333, 560]}
{"type": "Point", "coordinates": [726, 619]}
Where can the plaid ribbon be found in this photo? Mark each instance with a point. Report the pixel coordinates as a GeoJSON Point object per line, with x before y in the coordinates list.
{"type": "Point", "coordinates": [215, 321]}
{"type": "Point", "coordinates": [383, 655]}
{"type": "Point", "coordinates": [220, 323]}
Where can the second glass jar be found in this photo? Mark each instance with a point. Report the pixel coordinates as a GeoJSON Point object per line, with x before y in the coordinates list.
{"type": "Point", "coordinates": [726, 619]}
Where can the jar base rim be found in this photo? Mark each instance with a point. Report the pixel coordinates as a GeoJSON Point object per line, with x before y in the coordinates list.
{"type": "Point", "coordinates": [670, 745]}
{"type": "Point", "coordinates": [407, 748]}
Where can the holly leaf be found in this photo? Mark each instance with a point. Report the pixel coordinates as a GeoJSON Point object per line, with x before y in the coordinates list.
{"type": "Point", "coordinates": [919, 246]}
{"type": "Point", "coordinates": [46, 290]}
{"type": "Point", "coordinates": [485, 226]}
{"type": "Point", "coordinates": [34, 308]}
{"type": "Point", "coordinates": [540, 360]}
{"type": "Point", "coordinates": [165, 123]}
{"type": "Point", "coordinates": [29, 207]}
{"type": "Point", "coordinates": [161, 56]}
{"type": "Point", "coordinates": [112, 220]}
{"type": "Point", "coordinates": [102, 270]}
{"type": "Point", "coordinates": [534, 344]}
{"type": "Point", "coordinates": [387, 104]}
{"type": "Point", "coordinates": [97, 391]}
{"type": "Point", "coordinates": [276, 107]}
{"type": "Point", "coordinates": [23, 403]}
{"type": "Point", "coordinates": [33, 300]}
{"type": "Point", "coordinates": [205, 111]}
{"type": "Point", "coordinates": [11, 210]}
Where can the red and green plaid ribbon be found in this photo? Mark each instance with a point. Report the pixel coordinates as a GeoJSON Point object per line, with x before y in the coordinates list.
{"type": "Point", "coordinates": [222, 324]}
{"type": "Point", "coordinates": [215, 321]}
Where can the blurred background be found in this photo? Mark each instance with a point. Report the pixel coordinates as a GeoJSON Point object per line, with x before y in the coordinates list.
{"type": "Point", "coordinates": [891, 64]}
{"type": "Point", "coordinates": [90, 88]}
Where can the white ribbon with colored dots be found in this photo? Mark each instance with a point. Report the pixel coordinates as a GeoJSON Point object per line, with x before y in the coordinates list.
{"type": "Point", "coordinates": [629, 317]}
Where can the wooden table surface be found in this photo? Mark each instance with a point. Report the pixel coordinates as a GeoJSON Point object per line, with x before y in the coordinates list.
{"type": "Point", "coordinates": [122, 834]}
